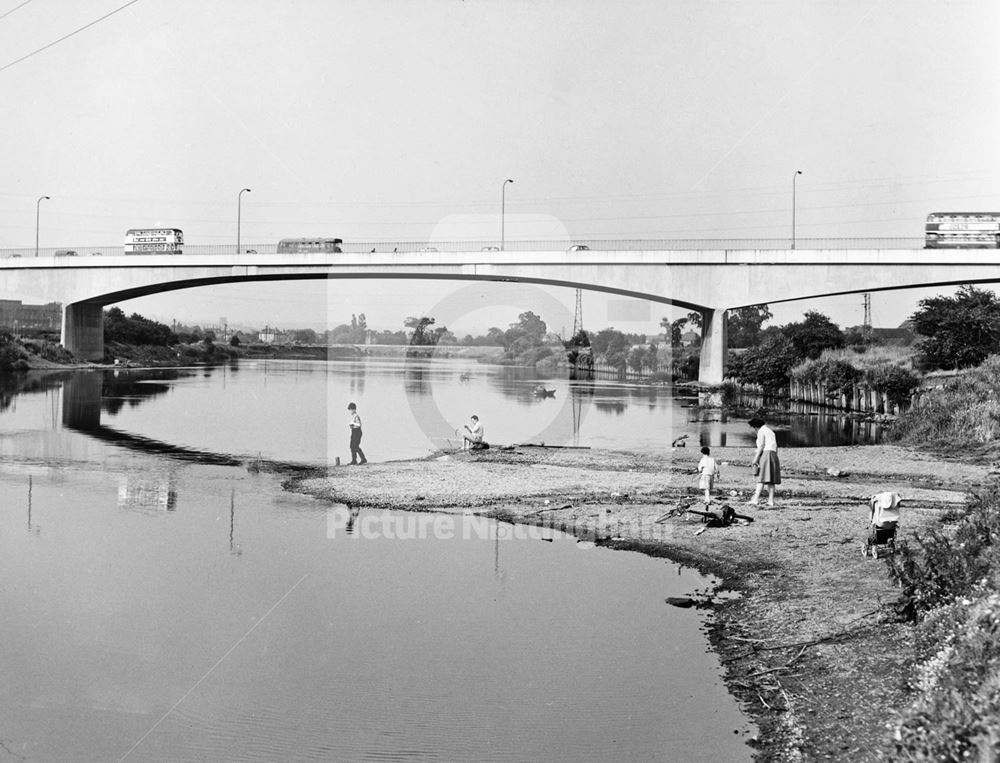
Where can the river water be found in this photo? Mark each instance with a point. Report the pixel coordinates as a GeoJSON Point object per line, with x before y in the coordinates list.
{"type": "Point", "coordinates": [163, 601]}
{"type": "Point", "coordinates": [297, 410]}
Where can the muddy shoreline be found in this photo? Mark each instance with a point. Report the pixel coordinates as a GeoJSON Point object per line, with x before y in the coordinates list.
{"type": "Point", "coordinates": [809, 647]}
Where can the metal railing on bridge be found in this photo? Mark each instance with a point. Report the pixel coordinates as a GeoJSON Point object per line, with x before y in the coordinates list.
{"type": "Point", "coordinates": [541, 245]}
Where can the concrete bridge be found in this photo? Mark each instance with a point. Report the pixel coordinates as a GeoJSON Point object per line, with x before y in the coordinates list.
{"type": "Point", "coordinates": [709, 281]}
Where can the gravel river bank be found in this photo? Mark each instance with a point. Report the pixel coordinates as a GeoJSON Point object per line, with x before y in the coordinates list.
{"type": "Point", "coordinates": [809, 647]}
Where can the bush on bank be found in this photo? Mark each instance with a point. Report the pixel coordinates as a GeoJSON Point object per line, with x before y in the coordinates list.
{"type": "Point", "coordinates": [20, 354]}
{"type": "Point", "coordinates": [13, 356]}
{"type": "Point", "coordinates": [205, 352]}
{"type": "Point", "coordinates": [892, 379]}
{"type": "Point", "coordinates": [950, 579]}
{"type": "Point", "coordinates": [963, 413]}
{"type": "Point", "coordinates": [839, 373]}
{"type": "Point", "coordinates": [50, 351]}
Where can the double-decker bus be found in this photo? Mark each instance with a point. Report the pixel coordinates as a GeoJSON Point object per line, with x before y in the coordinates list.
{"type": "Point", "coordinates": [962, 230]}
{"type": "Point", "coordinates": [292, 245]}
{"type": "Point", "coordinates": [154, 241]}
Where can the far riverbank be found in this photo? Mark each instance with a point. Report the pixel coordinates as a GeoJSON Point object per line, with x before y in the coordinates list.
{"type": "Point", "coordinates": [808, 646]}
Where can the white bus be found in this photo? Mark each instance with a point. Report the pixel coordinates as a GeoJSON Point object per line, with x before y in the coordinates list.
{"type": "Point", "coordinates": [962, 230]}
{"type": "Point", "coordinates": [154, 241]}
{"type": "Point", "coordinates": [294, 245]}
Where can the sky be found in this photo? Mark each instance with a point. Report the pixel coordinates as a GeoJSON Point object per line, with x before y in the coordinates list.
{"type": "Point", "coordinates": [385, 120]}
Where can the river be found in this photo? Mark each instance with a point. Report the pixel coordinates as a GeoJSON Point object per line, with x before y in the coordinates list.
{"type": "Point", "coordinates": [163, 601]}
{"type": "Point", "coordinates": [297, 410]}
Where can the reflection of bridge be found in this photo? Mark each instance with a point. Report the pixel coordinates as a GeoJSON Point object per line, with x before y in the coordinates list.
{"type": "Point", "coordinates": [81, 412]}
{"type": "Point", "coordinates": [708, 281]}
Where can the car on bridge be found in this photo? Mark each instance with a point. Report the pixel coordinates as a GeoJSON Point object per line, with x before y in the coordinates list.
{"type": "Point", "coordinates": [579, 248]}
{"type": "Point", "coordinates": [66, 253]}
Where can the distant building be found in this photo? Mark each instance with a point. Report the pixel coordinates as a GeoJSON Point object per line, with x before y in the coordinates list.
{"type": "Point", "coordinates": [15, 315]}
{"type": "Point", "coordinates": [689, 338]}
{"type": "Point", "coordinates": [902, 336]}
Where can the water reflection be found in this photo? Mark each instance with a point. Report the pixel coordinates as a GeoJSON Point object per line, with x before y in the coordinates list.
{"type": "Point", "coordinates": [417, 380]}
{"type": "Point", "coordinates": [83, 402]}
{"type": "Point", "coordinates": [353, 512]}
{"type": "Point", "coordinates": [33, 529]}
{"type": "Point", "coordinates": [234, 548]}
{"type": "Point", "coordinates": [147, 491]}
{"type": "Point", "coordinates": [117, 391]}
{"type": "Point", "coordinates": [611, 406]}
{"type": "Point", "coordinates": [183, 576]}
{"type": "Point", "coordinates": [12, 385]}
{"type": "Point", "coordinates": [274, 413]}
{"type": "Point", "coordinates": [357, 379]}
{"type": "Point", "coordinates": [818, 429]}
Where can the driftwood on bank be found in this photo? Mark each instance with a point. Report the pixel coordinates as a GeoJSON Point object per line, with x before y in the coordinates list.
{"type": "Point", "coordinates": [543, 445]}
{"type": "Point", "coordinates": [548, 508]}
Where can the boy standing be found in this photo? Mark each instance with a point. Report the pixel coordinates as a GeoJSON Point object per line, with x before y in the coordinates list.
{"type": "Point", "coordinates": [355, 425]}
{"type": "Point", "coordinates": [708, 471]}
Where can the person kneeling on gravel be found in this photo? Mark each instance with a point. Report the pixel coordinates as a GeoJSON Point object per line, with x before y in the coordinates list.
{"type": "Point", "coordinates": [474, 435]}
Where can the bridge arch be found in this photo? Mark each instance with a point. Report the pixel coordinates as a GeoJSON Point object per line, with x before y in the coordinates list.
{"type": "Point", "coordinates": [82, 329]}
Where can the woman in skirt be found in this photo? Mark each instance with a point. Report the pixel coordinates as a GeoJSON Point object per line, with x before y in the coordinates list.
{"type": "Point", "coordinates": [765, 462]}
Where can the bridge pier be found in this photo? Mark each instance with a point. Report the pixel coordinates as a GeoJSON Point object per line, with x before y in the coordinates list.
{"type": "Point", "coordinates": [712, 364]}
{"type": "Point", "coordinates": [83, 330]}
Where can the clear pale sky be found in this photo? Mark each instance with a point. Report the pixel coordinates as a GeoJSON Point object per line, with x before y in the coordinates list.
{"type": "Point", "coordinates": [377, 120]}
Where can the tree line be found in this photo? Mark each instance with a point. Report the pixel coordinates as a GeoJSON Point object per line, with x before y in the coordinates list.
{"type": "Point", "coordinates": [957, 331]}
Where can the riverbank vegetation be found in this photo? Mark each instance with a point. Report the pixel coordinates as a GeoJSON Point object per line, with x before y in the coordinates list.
{"type": "Point", "coordinates": [138, 340]}
{"type": "Point", "coordinates": [950, 581]}
{"type": "Point", "coordinates": [954, 332]}
{"type": "Point", "coordinates": [21, 354]}
{"type": "Point", "coordinates": [962, 414]}
{"type": "Point", "coordinates": [949, 578]}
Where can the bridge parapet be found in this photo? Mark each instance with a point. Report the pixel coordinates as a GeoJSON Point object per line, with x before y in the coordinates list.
{"type": "Point", "coordinates": [707, 280]}
{"type": "Point", "coordinates": [554, 245]}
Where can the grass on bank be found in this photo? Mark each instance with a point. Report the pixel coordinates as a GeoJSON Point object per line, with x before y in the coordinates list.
{"type": "Point", "coordinates": [963, 413]}
{"type": "Point", "coordinates": [19, 354]}
{"type": "Point", "coordinates": [865, 356]}
{"type": "Point", "coordinates": [950, 581]}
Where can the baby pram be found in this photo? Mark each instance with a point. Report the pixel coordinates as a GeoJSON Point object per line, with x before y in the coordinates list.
{"type": "Point", "coordinates": [884, 519]}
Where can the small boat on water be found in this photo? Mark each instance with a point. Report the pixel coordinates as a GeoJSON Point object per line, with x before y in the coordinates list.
{"type": "Point", "coordinates": [465, 376]}
{"type": "Point", "coordinates": [540, 391]}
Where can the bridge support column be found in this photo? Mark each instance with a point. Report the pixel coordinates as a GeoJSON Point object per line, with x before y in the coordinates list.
{"type": "Point", "coordinates": [83, 330]}
{"type": "Point", "coordinates": [713, 357]}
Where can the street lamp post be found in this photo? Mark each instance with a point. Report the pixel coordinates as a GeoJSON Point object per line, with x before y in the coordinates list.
{"type": "Point", "coordinates": [794, 177]}
{"type": "Point", "coordinates": [239, 207]}
{"type": "Point", "coordinates": [38, 205]}
{"type": "Point", "coordinates": [503, 205]}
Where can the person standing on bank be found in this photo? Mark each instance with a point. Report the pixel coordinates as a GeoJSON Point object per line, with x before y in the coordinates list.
{"type": "Point", "coordinates": [708, 473]}
{"type": "Point", "coordinates": [765, 462]}
{"type": "Point", "coordinates": [355, 425]}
